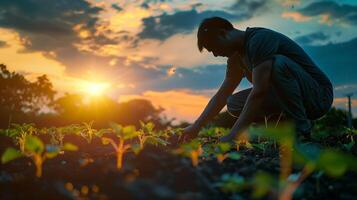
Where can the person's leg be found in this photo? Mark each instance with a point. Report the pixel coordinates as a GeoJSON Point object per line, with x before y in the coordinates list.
{"type": "Point", "coordinates": [298, 93]}
{"type": "Point", "coordinates": [270, 107]}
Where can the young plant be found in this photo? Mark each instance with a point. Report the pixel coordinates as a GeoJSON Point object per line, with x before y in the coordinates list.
{"type": "Point", "coordinates": [37, 151]}
{"type": "Point", "coordinates": [231, 183]}
{"type": "Point", "coordinates": [147, 134]}
{"type": "Point", "coordinates": [221, 152]}
{"type": "Point", "coordinates": [211, 134]}
{"type": "Point", "coordinates": [311, 158]}
{"type": "Point", "coordinates": [192, 150]}
{"type": "Point", "coordinates": [87, 132]}
{"type": "Point", "coordinates": [123, 134]}
{"type": "Point", "coordinates": [19, 133]}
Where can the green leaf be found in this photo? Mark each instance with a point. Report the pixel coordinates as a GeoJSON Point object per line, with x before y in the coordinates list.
{"type": "Point", "coordinates": [155, 141]}
{"type": "Point", "coordinates": [105, 140]}
{"type": "Point", "coordinates": [259, 146]}
{"type": "Point", "coordinates": [349, 145]}
{"type": "Point", "coordinates": [51, 154]}
{"type": "Point", "coordinates": [262, 183]}
{"type": "Point", "coordinates": [10, 154]}
{"type": "Point", "coordinates": [129, 132]}
{"type": "Point", "coordinates": [117, 128]}
{"type": "Point", "coordinates": [283, 133]}
{"type": "Point", "coordinates": [335, 164]}
{"type": "Point", "coordinates": [234, 156]}
{"type": "Point", "coordinates": [223, 147]}
{"type": "Point", "coordinates": [69, 147]}
{"type": "Point", "coordinates": [136, 148]}
{"type": "Point", "coordinates": [34, 144]}
{"type": "Point", "coordinates": [148, 127]}
{"type": "Point", "coordinates": [231, 183]}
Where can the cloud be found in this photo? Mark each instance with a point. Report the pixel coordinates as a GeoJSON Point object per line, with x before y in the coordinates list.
{"type": "Point", "coordinates": [34, 64]}
{"type": "Point", "coordinates": [117, 8]}
{"type": "Point", "coordinates": [248, 7]}
{"type": "Point", "coordinates": [330, 12]}
{"type": "Point", "coordinates": [313, 38]}
{"type": "Point", "coordinates": [164, 26]}
{"type": "Point", "coordinates": [184, 105]}
{"type": "Point", "coordinates": [55, 27]}
{"type": "Point", "coordinates": [296, 16]}
{"type": "Point", "coordinates": [289, 3]}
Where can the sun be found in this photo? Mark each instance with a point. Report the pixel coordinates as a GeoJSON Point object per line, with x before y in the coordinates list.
{"type": "Point", "coordinates": [95, 88]}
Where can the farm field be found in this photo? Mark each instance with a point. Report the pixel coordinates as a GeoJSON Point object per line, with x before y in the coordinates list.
{"type": "Point", "coordinates": [122, 162]}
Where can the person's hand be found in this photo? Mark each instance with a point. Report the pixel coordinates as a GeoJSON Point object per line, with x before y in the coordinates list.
{"type": "Point", "coordinates": [190, 132]}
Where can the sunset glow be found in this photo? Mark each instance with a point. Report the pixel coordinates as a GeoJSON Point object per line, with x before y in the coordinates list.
{"type": "Point", "coordinates": [94, 88]}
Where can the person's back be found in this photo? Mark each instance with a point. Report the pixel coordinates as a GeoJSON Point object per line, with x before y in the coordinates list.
{"type": "Point", "coordinates": [274, 43]}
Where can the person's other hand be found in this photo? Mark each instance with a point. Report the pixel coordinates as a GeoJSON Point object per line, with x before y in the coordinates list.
{"type": "Point", "coordinates": [190, 132]}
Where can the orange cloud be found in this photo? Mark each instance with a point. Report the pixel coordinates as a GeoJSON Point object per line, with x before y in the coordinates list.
{"type": "Point", "coordinates": [343, 102]}
{"type": "Point", "coordinates": [296, 16]}
{"type": "Point", "coordinates": [326, 19]}
{"type": "Point", "coordinates": [289, 3]}
{"type": "Point", "coordinates": [181, 104]}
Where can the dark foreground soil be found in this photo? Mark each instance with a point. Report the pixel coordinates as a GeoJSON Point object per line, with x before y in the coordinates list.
{"type": "Point", "coordinates": [155, 173]}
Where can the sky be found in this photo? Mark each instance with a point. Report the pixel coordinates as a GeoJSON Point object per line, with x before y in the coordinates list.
{"type": "Point", "coordinates": [148, 48]}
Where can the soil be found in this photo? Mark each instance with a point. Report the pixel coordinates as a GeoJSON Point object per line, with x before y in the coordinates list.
{"type": "Point", "coordinates": [155, 173]}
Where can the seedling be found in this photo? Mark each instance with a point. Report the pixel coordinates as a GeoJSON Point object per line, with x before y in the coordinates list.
{"type": "Point", "coordinates": [87, 132]}
{"type": "Point", "coordinates": [221, 152]}
{"type": "Point", "coordinates": [37, 151]}
{"type": "Point", "coordinates": [147, 134]}
{"type": "Point", "coordinates": [212, 134]}
{"type": "Point", "coordinates": [123, 134]}
{"type": "Point", "coordinates": [192, 150]}
{"type": "Point", "coordinates": [19, 133]}
{"type": "Point", "coordinates": [231, 183]}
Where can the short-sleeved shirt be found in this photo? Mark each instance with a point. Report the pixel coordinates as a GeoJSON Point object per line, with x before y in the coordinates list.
{"type": "Point", "coordinates": [262, 44]}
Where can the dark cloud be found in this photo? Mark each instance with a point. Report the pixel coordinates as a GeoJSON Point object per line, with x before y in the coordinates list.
{"type": "Point", "coordinates": [116, 7]}
{"type": "Point", "coordinates": [147, 3]}
{"type": "Point", "coordinates": [3, 44]}
{"type": "Point", "coordinates": [44, 17]}
{"type": "Point", "coordinates": [205, 77]}
{"type": "Point", "coordinates": [49, 26]}
{"type": "Point", "coordinates": [248, 7]}
{"type": "Point", "coordinates": [341, 12]}
{"type": "Point", "coordinates": [313, 38]}
{"type": "Point", "coordinates": [163, 26]}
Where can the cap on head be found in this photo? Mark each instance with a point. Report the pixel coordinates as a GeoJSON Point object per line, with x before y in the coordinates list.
{"type": "Point", "coordinates": [209, 28]}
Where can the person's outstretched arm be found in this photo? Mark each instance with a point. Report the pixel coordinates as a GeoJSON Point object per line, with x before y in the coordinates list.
{"type": "Point", "coordinates": [218, 101]}
{"type": "Point", "coordinates": [261, 82]}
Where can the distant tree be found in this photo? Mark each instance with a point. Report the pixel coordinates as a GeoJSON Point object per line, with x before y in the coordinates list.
{"type": "Point", "coordinates": [138, 109]}
{"type": "Point", "coordinates": [335, 119]}
{"type": "Point", "coordinates": [73, 108]}
{"type": "Point", "coordinates": [19, 97]}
